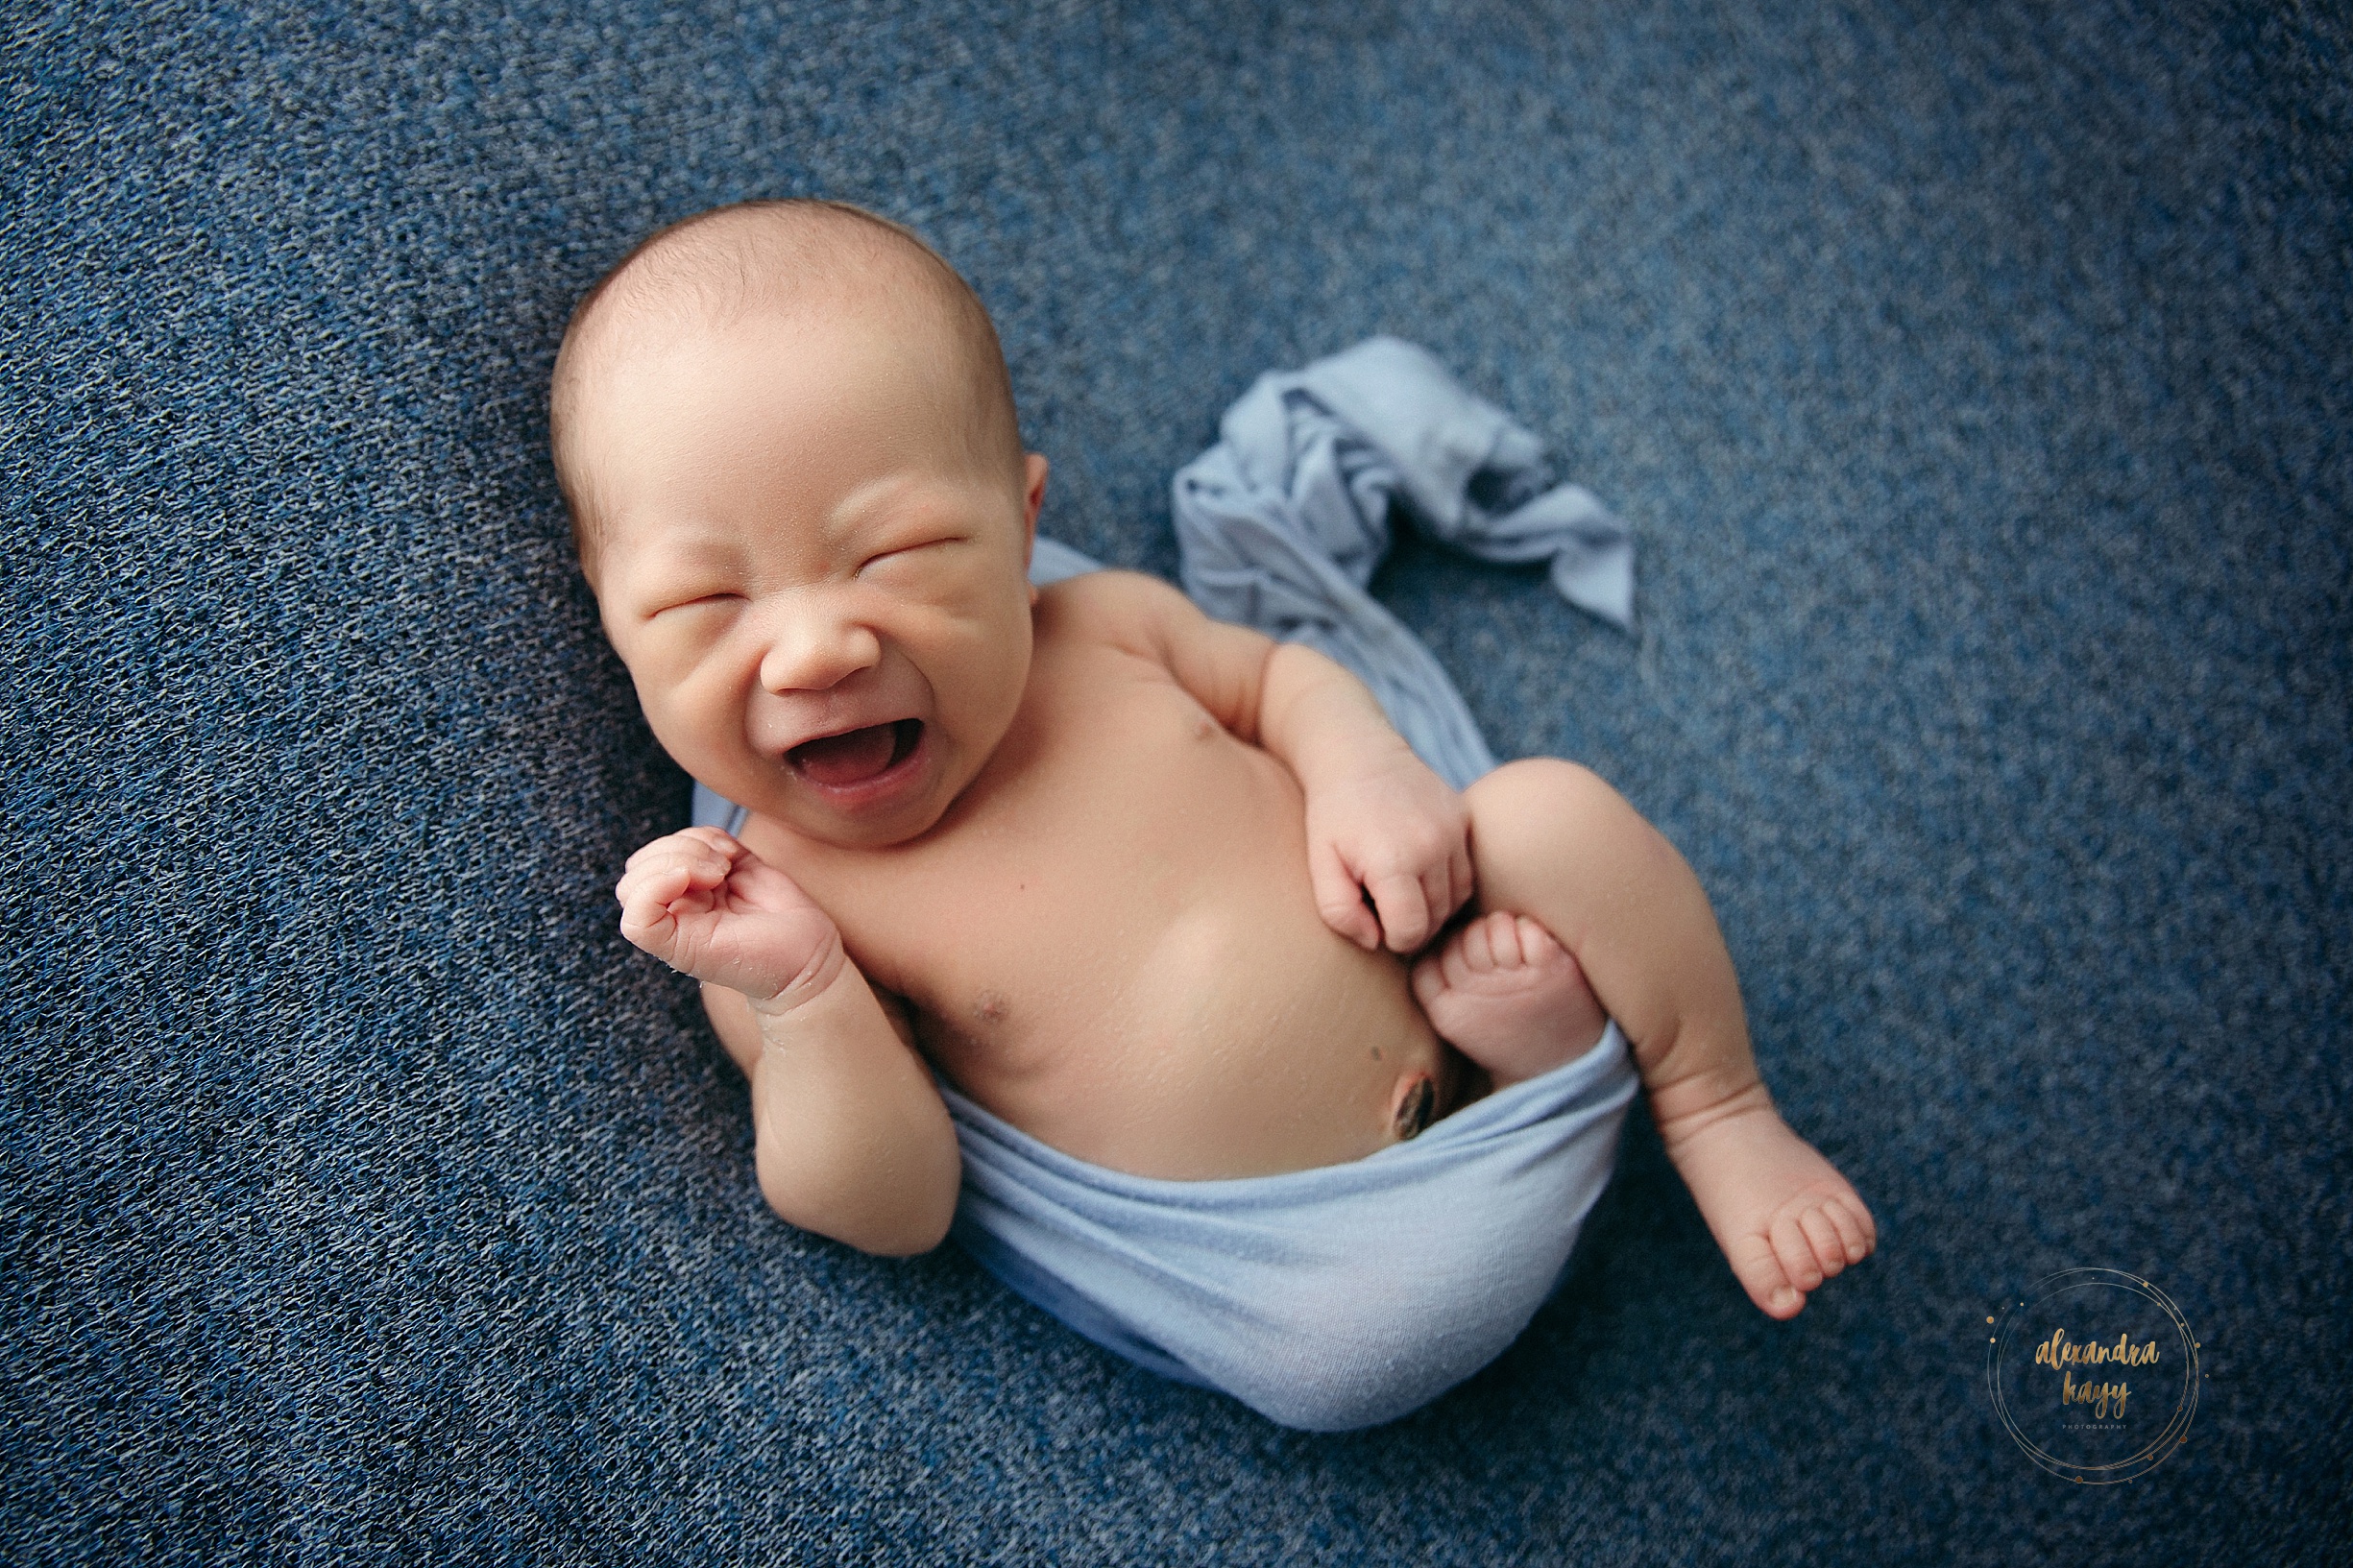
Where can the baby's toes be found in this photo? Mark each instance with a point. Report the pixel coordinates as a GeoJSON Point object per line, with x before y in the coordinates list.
{"type": "Point", "coordinates": [1757, 1267]}
{"type": "Point", "coordinates": [1429, 980]}
{"type": "Point", "coordinates": [1829, 1248]}
{"type": "Point", "coordinates": [1538, 947]}
{"type": "Point", "coordinates": [1471, 950]}
{"type": "Point", "coordinates": [1796, 1251]}
{"type": "Point", "coordinates": [1856, 1235]}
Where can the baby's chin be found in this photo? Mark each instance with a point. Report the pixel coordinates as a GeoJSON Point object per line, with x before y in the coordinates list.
{"type": "Point", "coordinates": [845, 831]}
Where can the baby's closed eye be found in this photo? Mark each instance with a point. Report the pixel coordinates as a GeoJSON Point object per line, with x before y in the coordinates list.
{"type": "Point", "coordinates": [718, 599]}
{"type": "Point", "coordinates": [911, 560]}
{"type": "Point", "coordinates": [660, 594]}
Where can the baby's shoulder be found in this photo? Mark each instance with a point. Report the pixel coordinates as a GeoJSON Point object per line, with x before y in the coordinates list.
{"type": "Point", "coordinates": [1129, 611]}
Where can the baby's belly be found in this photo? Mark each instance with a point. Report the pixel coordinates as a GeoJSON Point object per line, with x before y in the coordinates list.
{"type": "Point", "coordinates": [1239, 1050]}
{"type": "Point", "coordinates": [1195, 1018]}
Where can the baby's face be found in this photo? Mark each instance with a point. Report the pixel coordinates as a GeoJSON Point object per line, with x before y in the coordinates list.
{"type": "Point", "coordinates": [822, 597]}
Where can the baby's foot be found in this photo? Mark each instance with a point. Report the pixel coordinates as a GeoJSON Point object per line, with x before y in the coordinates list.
{"type": "Point", "coordinates": [1508, 996]}
{"type": "Point", "coordinates": [1784, 1216]}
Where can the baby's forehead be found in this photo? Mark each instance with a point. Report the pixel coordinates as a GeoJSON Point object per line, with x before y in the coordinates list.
{"type": "Point", "coordinates": [767, 264]}
{"type": "Point", "coordinates": [835, 281]}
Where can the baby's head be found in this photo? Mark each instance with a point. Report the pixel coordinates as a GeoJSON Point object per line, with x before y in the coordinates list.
{"type": "Point", "coordinates": [787, 441]}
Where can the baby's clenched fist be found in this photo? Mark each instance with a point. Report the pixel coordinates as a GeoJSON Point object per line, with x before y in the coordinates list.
{"type": "Point", "coordinates": [703, 903]}
{"type": "Point", "coordinates": [1388, 852]}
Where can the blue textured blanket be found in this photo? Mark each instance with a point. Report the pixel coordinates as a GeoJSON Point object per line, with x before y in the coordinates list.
{"type": "Point", "coordinates": [1976, 381]}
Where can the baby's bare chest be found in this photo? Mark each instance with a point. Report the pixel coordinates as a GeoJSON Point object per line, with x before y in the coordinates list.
{"type": "Point", "coordinates": [1111, 942]}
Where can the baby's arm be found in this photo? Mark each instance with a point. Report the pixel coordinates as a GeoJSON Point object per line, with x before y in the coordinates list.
{"type": "Point", "coordinates": [853, 1140]}
{"type": "Point", "coordinates": [1382, 829]}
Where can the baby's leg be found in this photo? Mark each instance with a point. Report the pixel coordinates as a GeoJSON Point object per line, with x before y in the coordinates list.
{"type": "Point", "coordinates": [1506, 995]}
{"type": "Point", "coordinates": [1552, 841]}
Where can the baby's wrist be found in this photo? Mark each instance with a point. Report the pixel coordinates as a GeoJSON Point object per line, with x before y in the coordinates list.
{"type": "Point", "coordinates": [816, 977]}
{"type": "Point", "coordinates": [1352, 759]}
{"type": "Point", "coordinates": [1327, 718]}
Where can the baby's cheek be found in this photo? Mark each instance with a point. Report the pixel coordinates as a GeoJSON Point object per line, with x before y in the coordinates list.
{"type": "Point", "coordinates": [701, 730]}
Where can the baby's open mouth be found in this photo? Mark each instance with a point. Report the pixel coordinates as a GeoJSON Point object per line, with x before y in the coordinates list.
{"type": "Point", "coordinates": [836, 761]}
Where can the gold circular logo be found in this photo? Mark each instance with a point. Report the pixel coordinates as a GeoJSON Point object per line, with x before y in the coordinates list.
{"type": "Point", "coordinates": [2095, 1372]}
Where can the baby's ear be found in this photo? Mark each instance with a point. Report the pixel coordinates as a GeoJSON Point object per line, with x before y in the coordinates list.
{"type": "Point", "coordinates": [1034, 495]}
{"type": "Point", "coordinates": [1033, 489]}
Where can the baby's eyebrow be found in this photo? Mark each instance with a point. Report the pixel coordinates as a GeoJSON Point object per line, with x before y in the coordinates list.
{"type": "Point", "coordinates": [682, 533]}
{"type": "Point", "coordinates": [689, 559]}
{"type": "Point", "coordinates": [860, 504]}
{"type": "Point", "coordinates": [925, 499]}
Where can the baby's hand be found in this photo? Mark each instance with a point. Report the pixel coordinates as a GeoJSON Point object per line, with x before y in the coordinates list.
{"type": "Point", "coordinates": [702, 902]}
{"type": "Point", "coordinates": [1394, 835]}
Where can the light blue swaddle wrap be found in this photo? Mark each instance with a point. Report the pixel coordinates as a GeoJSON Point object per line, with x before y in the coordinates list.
{"type": "Point", "coordinates": [1345, 1296]}
{"type": "Point", "coordinates": [1284, 520]}
{"type": "Point", "coordinates": [1338, 1297]}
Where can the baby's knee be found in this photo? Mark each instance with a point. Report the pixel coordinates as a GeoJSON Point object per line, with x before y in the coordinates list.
{"type": "Point", "coordinates": [1542, 825]}
{"type": "Point", "coordinates": [1538, 786]}
{"type": "Point", "coordinates": [1527, 806]}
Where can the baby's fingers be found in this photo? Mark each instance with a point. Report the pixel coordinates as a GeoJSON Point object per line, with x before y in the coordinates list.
{"type": "Point", "coordinates": [695, 846]}
{"type": "Point", "coordinates": [710, 838]}
{"type": "Point", "coordinates": [676, 864]}
{"type": "Point", "coordinates": [649, 917]}
{"type": "Point", "coordinates": [1404, 905]}
{"type": "Point", "coordinates": [1438, 891]}
{"type": "Point", "coordinates": [648, 923]}
{"type": "Point", "coordinates": [1338, 900]}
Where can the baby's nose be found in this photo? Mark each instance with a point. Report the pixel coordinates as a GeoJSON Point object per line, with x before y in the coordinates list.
{"type": "Point", "coordinates": [814, 652]}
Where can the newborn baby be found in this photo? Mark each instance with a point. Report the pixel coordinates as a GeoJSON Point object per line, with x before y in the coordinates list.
{"type": "Point", "coordinates": [1167, 896]}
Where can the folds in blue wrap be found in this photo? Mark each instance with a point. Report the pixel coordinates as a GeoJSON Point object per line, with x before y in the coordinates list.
{"type": "Point", "coordinates": [1325, 1300]}
{"type": "Point", "coordinates": [1351, 1295]}
{"type": "Point", "coordinates": [1282, 522]}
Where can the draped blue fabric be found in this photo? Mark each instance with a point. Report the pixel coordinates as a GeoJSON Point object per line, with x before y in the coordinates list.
{"type": "Point", "coordinates": [1282, 522]}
